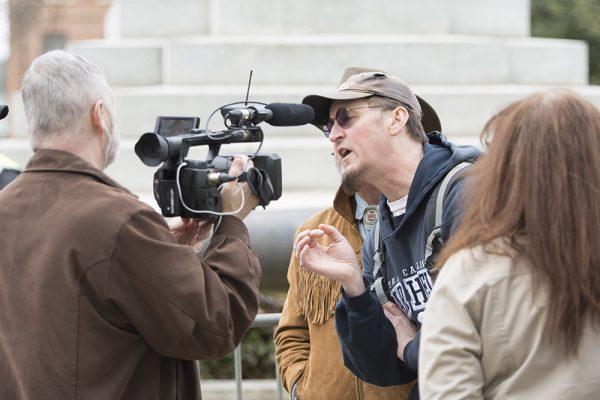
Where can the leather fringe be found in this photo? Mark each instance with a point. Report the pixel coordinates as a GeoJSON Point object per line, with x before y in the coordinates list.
{"type": "Point", "coordinates": [317, 296]}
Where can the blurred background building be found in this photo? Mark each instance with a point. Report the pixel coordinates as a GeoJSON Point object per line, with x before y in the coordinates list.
{"type": "Point", "coordinates": [37, 26]}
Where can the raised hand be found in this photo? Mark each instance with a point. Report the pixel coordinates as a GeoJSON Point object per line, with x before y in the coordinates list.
{"type": "Point", "coordinates": [336, 261]}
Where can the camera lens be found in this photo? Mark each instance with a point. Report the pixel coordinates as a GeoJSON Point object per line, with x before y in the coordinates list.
{"type": "Point", "coordinates": [152, 149]}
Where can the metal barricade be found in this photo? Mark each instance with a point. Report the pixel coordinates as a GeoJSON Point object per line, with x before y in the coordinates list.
{"type": "Point", "coordinates": [261, 321]}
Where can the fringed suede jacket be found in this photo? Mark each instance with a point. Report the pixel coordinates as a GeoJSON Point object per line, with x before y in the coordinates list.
{"type": "Point", "coordinates": [306, 344]}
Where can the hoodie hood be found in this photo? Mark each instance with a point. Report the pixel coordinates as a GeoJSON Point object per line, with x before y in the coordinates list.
{"type": "Point", "coordinates": [439, 157]}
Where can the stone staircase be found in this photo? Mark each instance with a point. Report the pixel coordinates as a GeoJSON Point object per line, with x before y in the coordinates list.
{"type": "Point", "coordinates": [466, 57]}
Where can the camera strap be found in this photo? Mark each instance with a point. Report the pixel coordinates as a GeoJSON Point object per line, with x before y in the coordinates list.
{"type": "Point", "coordinates": [260, 184]}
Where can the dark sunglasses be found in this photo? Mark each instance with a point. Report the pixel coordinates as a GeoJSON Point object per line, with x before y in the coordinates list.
{"type": "Point", "coordinates": [342, 118]}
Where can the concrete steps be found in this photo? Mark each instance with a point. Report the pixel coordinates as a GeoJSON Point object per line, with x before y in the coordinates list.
{"type": "Point", "coordinates": [149, 18]}
{"type": "Point", "coordinates": [252, 389]}
{"type": "Point", "coordinates": [306, 161]}
{"type": "Point", "coordinates": [318, 59]}
{"type": "Point", "coordinates": [463, 109]}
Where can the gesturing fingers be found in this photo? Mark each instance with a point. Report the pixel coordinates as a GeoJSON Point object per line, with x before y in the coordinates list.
{"type": "Point", "coordinates": [301, 236]}
{"type": "Point", "coordinates": [313, 235]}
{"type": "Point", "coordinates": [332, 232]}
{"type": "Point", "coordinates": [305, 241]}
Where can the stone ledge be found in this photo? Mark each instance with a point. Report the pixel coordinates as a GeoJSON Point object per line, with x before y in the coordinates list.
{"type": "Point", "coordinates": [284, 17]}
{"type": "Point", "coordinates": [252, 389]}
{"type": "Point", "coordinates": [434, 59]}
{"type": "Point", "coordinates": [463, 109]}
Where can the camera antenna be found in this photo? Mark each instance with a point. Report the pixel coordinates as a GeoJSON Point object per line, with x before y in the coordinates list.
{"type": "Point", "coordinates": [248, 90]}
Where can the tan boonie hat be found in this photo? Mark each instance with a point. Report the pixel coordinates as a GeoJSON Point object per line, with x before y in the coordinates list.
{"type": "Point", "coordinates": [359, 83]}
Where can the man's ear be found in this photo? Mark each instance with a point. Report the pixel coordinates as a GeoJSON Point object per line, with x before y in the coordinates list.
{"type": "Point", "coordinates": [399, 119]}
{"type": "Point", "coordinates": [98, 117]}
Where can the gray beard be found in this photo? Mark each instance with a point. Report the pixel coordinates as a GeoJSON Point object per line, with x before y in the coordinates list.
{"type": "Point", "coordinates": [350, 183]}
{"type": "Point", "coordinates": [112, 151]}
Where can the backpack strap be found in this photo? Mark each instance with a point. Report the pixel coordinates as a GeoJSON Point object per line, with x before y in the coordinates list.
{"type": "Point", "coordinates": [433, 214]}
{"type": "Point", "coordinates": [433, 224]}
{"type": "Point", "coordinates": [379, 260]}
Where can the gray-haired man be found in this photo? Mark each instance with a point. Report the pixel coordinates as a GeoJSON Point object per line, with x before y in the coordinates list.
{"type": "Point", "coordinates": [98, 299]}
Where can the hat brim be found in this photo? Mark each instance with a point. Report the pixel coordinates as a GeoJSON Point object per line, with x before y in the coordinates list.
{"type": "Point", "coordinates": [321, 104]}
{"type": "Point", "coordinates": [429, 118]}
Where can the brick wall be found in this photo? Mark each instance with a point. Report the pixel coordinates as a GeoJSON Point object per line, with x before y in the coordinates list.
{"type": "Point", "coordinates": [40, 25]}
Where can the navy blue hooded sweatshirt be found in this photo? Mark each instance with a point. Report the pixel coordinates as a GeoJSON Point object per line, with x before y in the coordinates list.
{"type": "Point", "coordinates": [367, 337]}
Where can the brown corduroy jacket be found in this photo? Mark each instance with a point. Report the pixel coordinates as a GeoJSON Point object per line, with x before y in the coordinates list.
{"type": "Point", "coordinates": [98, 300]}
{"type": "Point", "coordinates": [306, 343]}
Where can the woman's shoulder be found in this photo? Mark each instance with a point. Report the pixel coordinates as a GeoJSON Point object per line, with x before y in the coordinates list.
{"type": "Point", "coordinates": [483, 264]}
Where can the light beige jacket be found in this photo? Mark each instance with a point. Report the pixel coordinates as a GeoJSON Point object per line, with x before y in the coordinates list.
{"type": "Point", "coordinates": [483, 337]}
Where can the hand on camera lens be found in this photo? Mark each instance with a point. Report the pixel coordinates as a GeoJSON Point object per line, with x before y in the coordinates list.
{"type": "Point", "coordinates": [231, 193]}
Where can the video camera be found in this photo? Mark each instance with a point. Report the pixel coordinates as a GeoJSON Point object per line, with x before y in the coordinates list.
{"type": "Point", "coordinates": [190, 188]}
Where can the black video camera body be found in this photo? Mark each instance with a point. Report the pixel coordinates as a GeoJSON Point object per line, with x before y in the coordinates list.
{"type": "Point", "coordinates": [191, 188]}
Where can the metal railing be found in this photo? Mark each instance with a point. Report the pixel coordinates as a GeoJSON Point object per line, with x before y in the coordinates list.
{"type": "Point", "coordinates": [261, 321]}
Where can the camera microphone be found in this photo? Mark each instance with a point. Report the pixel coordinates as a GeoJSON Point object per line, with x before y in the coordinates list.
{"type": "Point", "coordinates": [290, 114]}
{"type": "Point", "coordinates": [275, 114]}
{"type": "Point", "coordinates": [252, 114]}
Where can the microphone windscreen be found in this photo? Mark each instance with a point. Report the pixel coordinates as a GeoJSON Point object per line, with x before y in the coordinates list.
{"type": "Point", "coordinates": [3, 111]}
{"type": "Point", "coordinates": [289, 114]}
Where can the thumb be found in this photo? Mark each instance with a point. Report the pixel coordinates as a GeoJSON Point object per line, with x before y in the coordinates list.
{"type": "Point", "coordinates": [237, 166]}
{"type": "Point", "coordinates": [333, 233]}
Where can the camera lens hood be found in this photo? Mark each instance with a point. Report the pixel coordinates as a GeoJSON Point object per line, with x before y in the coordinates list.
{"type": "Point", "coordinates": [152, 149]}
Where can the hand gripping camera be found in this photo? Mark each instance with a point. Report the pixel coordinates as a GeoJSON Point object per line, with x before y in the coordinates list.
{"type": "Point", "coordinates": [190, 188]}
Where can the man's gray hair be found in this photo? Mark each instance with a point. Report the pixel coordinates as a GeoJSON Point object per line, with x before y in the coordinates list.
{"type": "Point", "coordinates": [59, 90]}
{"type": "Point", "coordinates": [415, 127]}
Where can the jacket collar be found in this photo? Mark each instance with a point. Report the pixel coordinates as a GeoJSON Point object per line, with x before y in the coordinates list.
{"type": "Point", "coordinates": [345, 205]}
{"type": "Point", "coordinates": [49, 160]}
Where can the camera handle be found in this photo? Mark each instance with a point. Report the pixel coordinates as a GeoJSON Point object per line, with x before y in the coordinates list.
{"type": "Point", "coordinates": [178, 184]}
{"type": "Point", "coordinates": [260, 184]}
{"type": "Point", "coordinates": [258, 180]}
{"type": "Point", "coordinates": [213, 151]}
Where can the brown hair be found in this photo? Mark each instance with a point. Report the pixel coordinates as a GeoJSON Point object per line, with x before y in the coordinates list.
{"type": "Point", "coordinates": [538, 186]}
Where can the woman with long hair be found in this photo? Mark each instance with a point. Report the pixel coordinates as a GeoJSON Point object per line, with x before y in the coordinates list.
{"type": "Point", "coordinates": [515, 310]}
